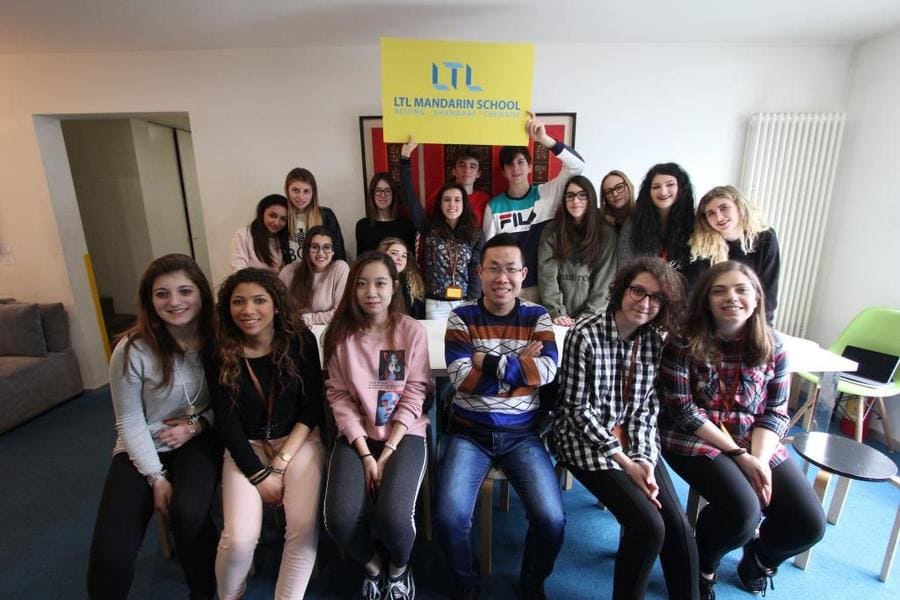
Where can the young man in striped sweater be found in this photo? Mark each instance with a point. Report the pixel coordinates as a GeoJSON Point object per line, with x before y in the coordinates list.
{"type": "Point", "coordinates": [500, 350]}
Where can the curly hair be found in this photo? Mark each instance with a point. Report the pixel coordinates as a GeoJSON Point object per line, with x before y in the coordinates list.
{"type": "Point", "coordinates": [261, 235]}
{"type": "Point", "coordinates": [707, 243]}
{"type": "Point", "coordinates": [313, 214]}
{"type": "Point", "coordinates": [349, 319]}
{"type": "Point", "coordinates": [671, 285]}
{"type": "Point", "coordinates": [465, 230]}
{"type": "Point", "coordinates": [301, 290]}
{"type": "Point", "coordinates": [230, 338]}
{"type": "Point", "coordinates": [410, 276]}
{"type": "Point", "coordinates": [611, 214]}
{"type": "Point", "coordinates": [151, 329]}
{"type": "Point", "coordinates": [371, 209]}
{"type": "Point", "coordinates": [701, 330]}
{"type": "Point", "coordinates": [649, 233]}
{"type": "Point", "coordinates": [581, 242]}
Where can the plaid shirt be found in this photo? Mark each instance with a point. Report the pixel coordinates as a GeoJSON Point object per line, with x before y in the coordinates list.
{"type": "Point", "coordinates": [692, 395]}
{"type": "Point", "coordinates": [591, 398]}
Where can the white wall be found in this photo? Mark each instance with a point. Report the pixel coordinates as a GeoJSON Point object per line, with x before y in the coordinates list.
{"type": "Point", "coordinates": [862, 247]}
{"type": "Point", "coordinates": [257, 113]}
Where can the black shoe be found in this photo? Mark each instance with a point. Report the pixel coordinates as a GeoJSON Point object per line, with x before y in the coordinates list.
{"type": "Point", "coordinates": [707, 588]}
{"type": "Point", "coordinates": [402, 587]}
{"type": "Point", "coordinates": [373, 586]}
{"type": "Point", "coordinates": [754, 577]}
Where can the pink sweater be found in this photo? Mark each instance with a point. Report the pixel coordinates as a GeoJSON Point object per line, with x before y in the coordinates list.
{"type": "Point", "coordinates": [373, 380]}
{"type": "Point", "coordinates": [328, 287]}
{"type": "Point", "coordinates": [243, 255]}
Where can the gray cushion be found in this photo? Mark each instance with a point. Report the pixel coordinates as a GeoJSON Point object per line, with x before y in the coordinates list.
{"type": "Point", "coordinates": [21, 332]}
{"type": "Point", "coordinates": [56, 326]}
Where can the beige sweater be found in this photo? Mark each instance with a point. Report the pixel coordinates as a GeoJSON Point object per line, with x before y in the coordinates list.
{"type": "Point", "coordinates": [328, 287]}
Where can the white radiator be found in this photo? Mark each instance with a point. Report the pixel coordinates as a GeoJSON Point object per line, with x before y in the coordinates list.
{"type": "Point", "coordinates": [788, 172]}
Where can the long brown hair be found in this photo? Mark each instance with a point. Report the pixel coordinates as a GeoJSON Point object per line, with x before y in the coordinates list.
{"type": "Point", "coordinates": [671, 284]}
{"type": "Point", "coordinates": [151, 329]}
{"type": "Point", "coordinates": [410, 276]}
{"type": "Point", "coordinates": [301, 290]}
{"type": "Point", "coordinates": [313, 214]}
{"type": "Point", "coordinates": [261, 235]}
{"type": "Point", "coordinates": [349, 319]}
{"type": "Point", "coordinates": [229, 337]}
{"type": "Point", "coordinates": [580, 242]}
{"type": "Point", "coordinates": [700, 327]}
{"type": "Point", "coordinates": [465, 230]}
{"type": "Point", "coordinates": [371, 209]}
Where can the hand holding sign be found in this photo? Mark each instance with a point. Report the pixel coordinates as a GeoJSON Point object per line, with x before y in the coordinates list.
{"type": "Point", "coordinates": [409, 147]}
{"type": "Point", "coordinates": [537, 131]}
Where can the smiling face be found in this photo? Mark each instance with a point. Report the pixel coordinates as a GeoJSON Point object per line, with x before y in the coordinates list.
{"type": "Point", "coordinates": [663, 192]}
{"type": "Point", "coordinates": [275, 219]}
{"type": "Point", "coordinates": [517, 171]}
{"type": "Point", "coordinates": [723, 216]}
{"type": "Point", "coordinates": [501, 274]}
{"type": "Point", "coordinates": [321, 252]}
{"type": "Point", "coordinates": [300, 194]}
{"type": "Point", "coordinates": [374, 290]}
{"type": "Point", "coordinates": [614, 191]}
{"type": "Point", "coordinates": [383, 196]}
{"type": "Point", "coordinates": [452, 206]}
{"type": "Point", "coordinates": [399, 255]}
{"type": "Point", "coordinates": [252, 309]}
{"type": "Point", "coordinates": [576, 199]}
{"type": "Point", "coordinates": [176, 299]}
{"type": "Point", "coordinates": [732, 300]}
{"type": "Point", "coordinates": [466, 171]}
{"type": "Point", "coordinates": [641, 301]}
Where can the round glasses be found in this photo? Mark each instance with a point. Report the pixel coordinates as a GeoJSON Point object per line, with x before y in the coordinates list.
{"type": "Point", "coordinates": [383, 192]}
{"type": "Point", "coordinates": [582, 195]}
{"type": "Point", "coordinates": [616, 189]}
{"type": "Point", "coordinates": [638, 294]}
{"type": "Point", "coordinates": [324, 248]}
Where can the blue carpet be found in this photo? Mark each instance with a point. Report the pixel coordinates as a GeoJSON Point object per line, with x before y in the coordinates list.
{"type": "Point", "coordinates": [54, 466]}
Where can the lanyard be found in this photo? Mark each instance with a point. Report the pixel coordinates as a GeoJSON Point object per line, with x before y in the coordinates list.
{"type": "Point", "coordinates": [453, 256]}
{"type": "Point", "coordinates": [627, 375]}
{"type": "Point", "coordinates": [268, 402]}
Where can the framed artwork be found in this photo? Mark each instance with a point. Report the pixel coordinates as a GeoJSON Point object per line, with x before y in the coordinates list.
{"type": "Point", "coordinates": [432, 163]}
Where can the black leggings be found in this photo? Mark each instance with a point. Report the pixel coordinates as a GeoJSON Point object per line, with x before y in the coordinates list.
{"type": "Point", "coordinates": [794, 519]}
{"type": "Point", "coordinates": [127, 506]}
{"type": "Point", "coordinates": [646, 533]}
{"type": "Point", "coordinates": [349, 508]}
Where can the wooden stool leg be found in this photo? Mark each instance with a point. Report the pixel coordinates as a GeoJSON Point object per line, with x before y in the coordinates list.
{"type": "Point", "coordinates": [860, 418]}
{"type": "Point", "coordinates": [891, 549]}
{"type": "Point", "coordinates": [885, 423]}
{"type": "Point", "coordinates": [165, 536]}
{"type": "Point", "coordinates": [837, 500]}
{"type": "Point", "coordinates": [487, 506]}
{"type": "Point", "coordinates": [820, 486]}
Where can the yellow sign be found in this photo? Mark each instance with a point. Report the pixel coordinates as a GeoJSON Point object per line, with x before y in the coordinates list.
{"type": "Point", "coordinates": [456, 92]}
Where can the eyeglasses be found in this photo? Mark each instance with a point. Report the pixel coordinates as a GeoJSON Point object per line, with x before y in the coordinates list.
{"type": "Point", "coordinates": [324, 248]}
{"type": "Point", "coordinates": [616, 189]}
{"type": "Point", "coordinates": [495, 271]}
{"type": "Point", "coordinates": [383, 191]}
{"type": "Point", "coordinates": [638, 294]}
{"type": "Point", "coordinates": [582, 195]}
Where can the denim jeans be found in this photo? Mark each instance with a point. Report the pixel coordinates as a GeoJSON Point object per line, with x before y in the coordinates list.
{"type": "Point", "coordinates": [525, 462]}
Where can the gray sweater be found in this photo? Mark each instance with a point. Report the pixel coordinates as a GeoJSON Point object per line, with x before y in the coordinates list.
{"type": "Point", "coordinates": [141, 407]}
{"type": "Point", "coordinates": [574, 289]}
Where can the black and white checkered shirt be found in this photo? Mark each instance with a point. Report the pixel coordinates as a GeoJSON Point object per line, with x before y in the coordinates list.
{"type": "Point", "coordinates": [594, 365]}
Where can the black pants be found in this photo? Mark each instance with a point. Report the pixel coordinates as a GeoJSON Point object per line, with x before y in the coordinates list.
{"type": "Point", "coordinates": [647, 532]}
{"type": "Point", "coordinates": [794, 519]}
{"type": "Point", "coordinates": [127, 506]}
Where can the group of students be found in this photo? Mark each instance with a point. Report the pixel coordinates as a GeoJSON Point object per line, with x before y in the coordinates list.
{"type": "Point", "coordinates": [233, 389]}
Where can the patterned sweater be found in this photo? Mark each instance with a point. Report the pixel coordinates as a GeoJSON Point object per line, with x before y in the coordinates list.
{"type": "Point", "coordinates": [503, 394]}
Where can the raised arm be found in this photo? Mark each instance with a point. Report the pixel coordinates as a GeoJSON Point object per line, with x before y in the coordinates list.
{"type": "Point", "coordinates": [408, 195]}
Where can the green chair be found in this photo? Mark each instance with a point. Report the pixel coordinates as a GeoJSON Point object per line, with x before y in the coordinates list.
{"type": "Point", "coordinates": [875, 328]}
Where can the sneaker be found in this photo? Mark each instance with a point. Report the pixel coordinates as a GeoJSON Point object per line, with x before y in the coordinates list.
{"type": "Point", "coordinates": [401, 588]}
{"type": "Point", "coordinates": [373, 586]}
{"type": "Point", "coordinates": [707, 588]}
{"type": "Point", "coordinates": [754, 577]}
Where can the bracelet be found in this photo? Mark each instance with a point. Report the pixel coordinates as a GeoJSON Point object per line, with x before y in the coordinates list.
{"type": "Point", "coordinates": [259, 476]}
{"type": "Point", "coordinates": [364, 456]}
{"type": "Point", "coordinates": [735, 452]}
{"type": "Point", "coordinates": [152, 478]}
{"type": "Point", "coordinates": [391, 446]}
{"type": "Point", "coordinates": [276, 470]}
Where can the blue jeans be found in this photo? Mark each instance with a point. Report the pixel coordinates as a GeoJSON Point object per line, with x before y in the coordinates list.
{"type": "Point", "coordinates": [525, 462]}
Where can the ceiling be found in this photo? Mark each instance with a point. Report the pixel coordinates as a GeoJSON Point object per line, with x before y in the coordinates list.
{"type": "Point", "coordinates": [40, 26]}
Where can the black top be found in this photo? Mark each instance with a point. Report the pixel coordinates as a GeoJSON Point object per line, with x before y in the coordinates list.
{"type": "Point", "coordinates": [844, 457]}
{"type": "Point", "coordinates": [764, 259]}
{"type": "Point", "coordinates": [414, 308]}
{"type": "Point", "coordinates": [369, 233]}
{"type": "Point", "coordinates": [245, 417]}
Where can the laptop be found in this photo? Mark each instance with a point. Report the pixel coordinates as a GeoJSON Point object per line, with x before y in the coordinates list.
{"type": "Point", "coordinates": [875, 370]}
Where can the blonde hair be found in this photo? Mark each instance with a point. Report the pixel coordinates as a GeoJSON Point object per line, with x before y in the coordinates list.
{"type": "Point", "coordinates": [410, 275]}
{"type": "Point", "coordinates": [313, 213]}
{"type": "Point", "coordinates": [707, 243]}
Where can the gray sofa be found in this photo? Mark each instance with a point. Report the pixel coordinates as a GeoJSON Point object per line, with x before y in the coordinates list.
{"type": "Point", "coordinates": [38, 369]}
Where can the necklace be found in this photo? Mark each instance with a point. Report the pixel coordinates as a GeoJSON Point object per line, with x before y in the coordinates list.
{"type": "Point", "coordinates": [192, 416]}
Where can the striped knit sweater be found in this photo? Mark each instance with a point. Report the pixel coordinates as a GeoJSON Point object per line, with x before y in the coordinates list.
{"type": "Point", "coordinates": [503, 395]}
